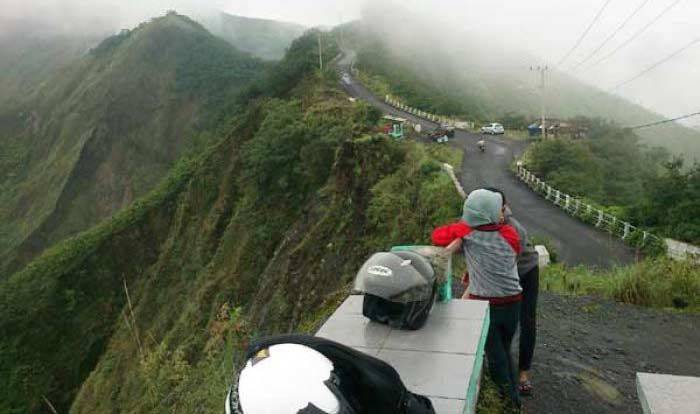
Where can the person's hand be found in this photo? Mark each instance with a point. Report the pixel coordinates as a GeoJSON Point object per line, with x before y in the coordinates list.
{"type": "Point", "coordinates": [453, 247]}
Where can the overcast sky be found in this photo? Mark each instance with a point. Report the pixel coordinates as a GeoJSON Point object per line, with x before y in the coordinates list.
{"type": "Point", "coordinates": [546, 29]}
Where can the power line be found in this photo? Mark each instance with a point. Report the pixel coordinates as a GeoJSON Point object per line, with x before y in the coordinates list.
{"type": "Point", "coordinates": [612, 35]}
{"type": "Point", "coordinates": [655, 65]}
{"type": "Point", "coordinates": [665, 121]}
{"type": "Point", "coordinates": [585, 32]}
{"type": "Point", "coordinates": [637, 33]}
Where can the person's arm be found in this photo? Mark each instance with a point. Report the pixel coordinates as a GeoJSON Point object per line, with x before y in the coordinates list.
{"type": "Point", "coordinates": [445, 235]}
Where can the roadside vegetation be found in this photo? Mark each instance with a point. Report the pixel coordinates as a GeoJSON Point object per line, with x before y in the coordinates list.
{"type": "Point", "coordinates": [609, 168]}
{"type": "Point", "coordinates": [659, 283]}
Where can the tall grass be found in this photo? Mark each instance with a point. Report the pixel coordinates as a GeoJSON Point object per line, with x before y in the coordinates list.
{"type": "Point", "coordinates": [658, 283]}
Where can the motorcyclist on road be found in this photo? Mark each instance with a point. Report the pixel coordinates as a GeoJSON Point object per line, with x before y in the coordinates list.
{"type": "Point", "coordinates": [482, 145]}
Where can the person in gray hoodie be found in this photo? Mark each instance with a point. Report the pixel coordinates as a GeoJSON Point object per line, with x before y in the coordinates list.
{"type": "Point", "coordinates": [490, 249]}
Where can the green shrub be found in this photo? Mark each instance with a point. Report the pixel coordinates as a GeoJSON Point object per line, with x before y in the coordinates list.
{"type": "Point", "coordinates": [490, 399]}
{"type": "Point", "coordinates": [658, 282]}
{"type": "Point", "coordinates": [409, 203]}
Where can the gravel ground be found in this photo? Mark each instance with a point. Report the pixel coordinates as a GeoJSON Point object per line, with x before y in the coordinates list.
{"type": "Point", "coordinates": [589, 349]}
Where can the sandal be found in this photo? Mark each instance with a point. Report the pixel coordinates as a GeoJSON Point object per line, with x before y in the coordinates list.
{"type": "Point", "coordinates": [525, 388]}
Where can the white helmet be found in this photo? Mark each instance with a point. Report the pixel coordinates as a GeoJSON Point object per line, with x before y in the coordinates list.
{"type": "Point", "coordinates": [286, 379]}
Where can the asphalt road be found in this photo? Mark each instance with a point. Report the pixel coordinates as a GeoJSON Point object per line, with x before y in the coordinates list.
{"type": "Point", "coordinates": [576, 242]}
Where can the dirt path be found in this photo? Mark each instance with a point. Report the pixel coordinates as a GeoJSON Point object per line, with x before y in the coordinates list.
{"type": "Point", "coordinates": [589, 349]}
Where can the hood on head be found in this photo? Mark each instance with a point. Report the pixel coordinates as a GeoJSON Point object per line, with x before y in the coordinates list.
{"type": "Point", "coordinates": [482, 207]}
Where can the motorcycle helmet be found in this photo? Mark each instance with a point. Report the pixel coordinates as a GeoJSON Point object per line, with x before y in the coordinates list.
{"type": "Point", "coordinates": [288, 379]}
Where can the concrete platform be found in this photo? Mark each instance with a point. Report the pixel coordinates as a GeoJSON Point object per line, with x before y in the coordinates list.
{"type": "Point", "coordinates": [668, 394]}
{"type": "Point", "coordinates": [443, 360]}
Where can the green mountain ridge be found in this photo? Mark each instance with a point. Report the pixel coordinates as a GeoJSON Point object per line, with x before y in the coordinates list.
{"type": "Point", "coordinates": [106, 128]}
{"type": "Point", "coordinates": [259, 233]}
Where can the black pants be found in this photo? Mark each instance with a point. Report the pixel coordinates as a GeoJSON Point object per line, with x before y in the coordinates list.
{"type": "Point", "coordinates": [504, 322]}
{"type": "Point", "coordinates": [530, 282]}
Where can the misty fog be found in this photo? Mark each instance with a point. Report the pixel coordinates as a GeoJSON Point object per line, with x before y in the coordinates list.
{"type": "Point", "coordinates": [513, 34]}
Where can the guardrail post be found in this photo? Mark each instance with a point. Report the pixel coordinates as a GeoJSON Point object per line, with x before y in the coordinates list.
{"type": "Point", "coordinates": [600, 218]}
{"type": "Point", "coordinates": [589, 209]}
{"type": "Point", "coordinates": [627, 231]}
{"type": "Point", "coordinates": [612, 225]}
{"type": "Point", "coordinates": [549, 191]}
{"type": "Point", "coordinates": [566, 203]}
{"type": "Point", "coordinates": [644, 237]}
{"type": "Point", "coordinates": [556, 197]}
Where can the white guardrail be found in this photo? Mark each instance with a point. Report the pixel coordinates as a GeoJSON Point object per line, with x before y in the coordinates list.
{"type": "Point", "coordinates": [396, 103]}
{"type": "Point", "coordinates": [629, 233]}
{"type": "Point", "coordinates": [577, 208]}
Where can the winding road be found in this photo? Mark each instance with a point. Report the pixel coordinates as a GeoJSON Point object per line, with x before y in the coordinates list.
{"type": "Point", "coordinates": [576, 243]}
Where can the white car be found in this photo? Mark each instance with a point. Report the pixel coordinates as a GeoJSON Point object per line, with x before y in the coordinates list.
{"type": "Point", "coordinates": [493, 129]}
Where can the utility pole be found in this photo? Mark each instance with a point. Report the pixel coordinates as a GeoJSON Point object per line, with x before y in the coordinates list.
{"type": "Point", "coordinates": [542, 70]}
{"type": "Point", "coordinates": [320, 51]}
